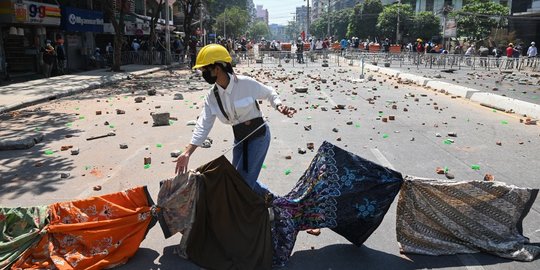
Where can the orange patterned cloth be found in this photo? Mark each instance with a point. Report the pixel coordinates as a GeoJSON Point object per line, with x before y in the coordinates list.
{"type": "Point", "coordinates": [95, 233]}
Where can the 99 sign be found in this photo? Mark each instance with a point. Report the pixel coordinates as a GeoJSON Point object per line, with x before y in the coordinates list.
{"type": "Point", "coordinates": [35, 10]}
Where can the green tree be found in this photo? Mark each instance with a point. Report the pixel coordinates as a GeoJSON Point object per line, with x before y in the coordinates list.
{"type": "Point", "coordinates": [217, 7]}
{"type": "Point", "coordinates": [259, 30]}
{"type": "Point", "coordinates": [292, 30]}
{"type": "Point", "coordinates": [478, 17]}
{"type": "Point", "coordinates": [424, 25]}
{"type": "Point", "coordinates": [235, 21]}
{"type": "Point", "coordinates": [387, 21]}
{"type": "Point", "coordinates": [363, 21]}
{"type": "Point", "coordinates": [339, 21]}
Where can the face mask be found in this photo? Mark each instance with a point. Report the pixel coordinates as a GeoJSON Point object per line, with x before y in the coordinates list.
{"type": "Point", "coordinates": [207, 75]}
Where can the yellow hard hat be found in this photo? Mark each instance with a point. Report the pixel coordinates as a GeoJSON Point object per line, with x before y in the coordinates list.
{"type": "Point", "coordinates": [210, 54]}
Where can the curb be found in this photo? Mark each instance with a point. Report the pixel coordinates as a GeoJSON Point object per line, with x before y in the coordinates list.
{"type": "Point", "coordinates": [485, 99]}
{"type": "Point", "coordinates": [105, 80]}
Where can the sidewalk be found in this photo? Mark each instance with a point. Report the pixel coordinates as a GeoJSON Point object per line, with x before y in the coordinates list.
{"type": "Point", "coordinates": [20, 95]}
{"type": "Point", "coordinates": [485, 91]}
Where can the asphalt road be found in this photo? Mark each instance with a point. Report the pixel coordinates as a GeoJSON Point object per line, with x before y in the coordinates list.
{"type": "Point", "coordinates": [408, 144]}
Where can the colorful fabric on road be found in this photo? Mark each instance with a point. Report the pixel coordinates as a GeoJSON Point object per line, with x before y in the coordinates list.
{"type": "Point", "coordinates": [20, 228]}
{"type": "Point", "coordinates": [441, 217]}
{"type": "Point", "coordinates": [95, 233]}
{"type": "Point", "coordinates": [340, 191]}
{"type": "Point", "coordinates": [232, 227]}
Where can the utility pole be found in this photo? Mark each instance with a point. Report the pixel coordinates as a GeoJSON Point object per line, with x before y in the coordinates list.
{"type": "Point", "coordinates": [328, 14]}
{"type": "Point", "coordinates": [167, 34]}
{"type": "Point", "coordinates": [200, 23]}
{"type": "Point", "coordinates": [308, 18]}
{"type": "Point", "coordinates": [397, 29]}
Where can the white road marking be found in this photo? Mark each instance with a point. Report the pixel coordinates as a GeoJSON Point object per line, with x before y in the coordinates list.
{"type": "Point", "coordinates": [466, 259]}
{"type": "Point", "coordinates": [382, 159]}
{"type": "Point", "coordinates": [329, 98]}
{"type": "Point", "coordinates": [470, 262]}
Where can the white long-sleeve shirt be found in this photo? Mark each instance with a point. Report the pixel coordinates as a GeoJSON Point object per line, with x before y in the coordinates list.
{"type": "Point", "coordinates": [532, 51]}
{"type": "Point", "coordinates": [239, 102]}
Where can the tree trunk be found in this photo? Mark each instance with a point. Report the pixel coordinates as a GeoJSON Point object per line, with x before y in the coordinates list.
{"type": "Point", "coordinates": [118, 30]}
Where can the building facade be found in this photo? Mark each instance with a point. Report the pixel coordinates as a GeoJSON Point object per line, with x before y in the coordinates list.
{"type": "Point", "coordinates": [80, 26]}
{"type": "Point", "coordinates": [262, 14]}
{"type": "Point", "coordinates": [302, 18]}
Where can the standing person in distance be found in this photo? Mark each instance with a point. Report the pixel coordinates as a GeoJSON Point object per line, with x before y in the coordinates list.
{"type": "Point", "coordinates": [233, 100]}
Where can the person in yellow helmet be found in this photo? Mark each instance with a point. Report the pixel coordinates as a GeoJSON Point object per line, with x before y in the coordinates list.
{"type": "Point", "coordinates": [233, 99]}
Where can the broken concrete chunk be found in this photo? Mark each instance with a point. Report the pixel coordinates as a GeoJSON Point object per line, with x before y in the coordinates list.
{"type": "Point", "coordinates": [123, 146]}
{"type": "Point", "coordinates": [310, 146]}
{"type": "Point", "coordinates": [75, 151]}
{"type": "Point", "coordinates": [97, 188]}
{"type": "Point", "coordinates": [452, 134]}
{"type": "Point", "coordinates": [152, 92]}
{"type": "Point", "coordinates": [176, 153]}
{"type": "Point", "coordinates": [191, 123]}
{"type": "Point", "coordinates": [301, 151]}
{"type": "Point", "coordinates": [64, 175]}
{"type": "Point", "coordinates": [65, 147]}
{"type": "Point", "coordinates": [118, 111]}
{"type": "Point", "coordinates": [301, 89]}
{"type": "Point", "coordinates": [139, 99]}
{"type": "Point", "coordinates": [489, 177]}
{"type": "Point", "coordinates": [98, 113]}
{"type": "Point", "coordinates": [178, 96]}
{"type": "Point", "coordinates": [161, 119]}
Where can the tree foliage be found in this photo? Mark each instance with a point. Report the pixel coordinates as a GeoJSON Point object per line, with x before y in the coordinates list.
{"type": "Point", "coordinates": [259, 30]}
{"type": "Point", "coordinates": [387, 21]}
{"type": "Point", "coordinates": [363, 21]}
{"type": "Point", "coordinates": [115, 11]}
{"type": "Point", "coordinates": [424, 25]}
{"type": "Point", "coordinates": [217, 7]}
{"type": "Point", "coordinates": [478, 17]}
{"type": "Point", "coordinates": [339, 21]}
{"type": "Point", "coordinates": [235, 20]}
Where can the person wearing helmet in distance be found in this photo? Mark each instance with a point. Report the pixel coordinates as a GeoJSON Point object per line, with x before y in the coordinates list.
{"type": "Point", "coordinates": [233, 100]}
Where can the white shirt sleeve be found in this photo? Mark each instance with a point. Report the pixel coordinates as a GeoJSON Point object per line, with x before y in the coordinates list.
{"type": "Point", "coordinates": [204, 124]}
{"type": "Point", "coordinates": [266, 92]}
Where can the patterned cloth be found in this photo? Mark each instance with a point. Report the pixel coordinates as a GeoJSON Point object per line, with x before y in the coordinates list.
{"type": "Point", "coordinates": [95, 233]}
{"type": "Point", "coordinates": [177, 198]}
{"type": "Point", "coordinates": [20, 228]}
{"type": "Point", "coordinates": [441, 217]}
{"type": "Point", "coordinates": [340, 191]}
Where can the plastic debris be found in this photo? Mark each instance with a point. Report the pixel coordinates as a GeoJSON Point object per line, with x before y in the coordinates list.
{"type": "Point", "coordinates": [159, 145]}
{"type": "Point", "coordinates": [288, 171]}
{"type": "Point", "coordinates": [475, 167]}
{"type": "Point", "coordinates": [49, 152]}
{"type": "Point", "coordinates": [385, 136]}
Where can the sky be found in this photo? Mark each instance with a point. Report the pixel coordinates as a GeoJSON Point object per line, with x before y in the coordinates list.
{"type": "Point", "coordinates": [280, 11]}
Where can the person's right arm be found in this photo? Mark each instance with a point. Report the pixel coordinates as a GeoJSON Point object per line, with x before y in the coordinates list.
{"type": "Point", "coordinates": [205, 122]}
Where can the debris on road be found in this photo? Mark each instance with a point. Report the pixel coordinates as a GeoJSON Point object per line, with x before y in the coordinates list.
{"type": "Point", "coordinates": [97, 188]}
{"type": "Point", "coordinates": [176, 153]}
{"type": "Point", "coordinates": [110, 134]}
{"type": "Point", "coordinates": [147, 160]}
{"type": "Point", "coordinates": [161, 119]}
{"type": "Point", "coordinates": [75, 151]}
{"type": "Point", "coordinates": [489, 177]}
{"type": "Point", "coordinates": [123, 146]}
{"type": "Point", "coordinates": [64, 175]}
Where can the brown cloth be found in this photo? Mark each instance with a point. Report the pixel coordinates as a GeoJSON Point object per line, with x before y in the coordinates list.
{"type": "Point", "coordinates": [232, 226]}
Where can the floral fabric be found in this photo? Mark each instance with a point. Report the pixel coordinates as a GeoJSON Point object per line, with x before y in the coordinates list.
{"type": "Point", "coordinates": [95, 233]}
{"type": "Point", "coordinates": [340, 191]}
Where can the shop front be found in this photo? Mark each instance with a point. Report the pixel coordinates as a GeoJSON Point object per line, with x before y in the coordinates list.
{"type": "Point", "coordinates": [80, 26]}
{"type": "Point", "coordinates": [26, 26]}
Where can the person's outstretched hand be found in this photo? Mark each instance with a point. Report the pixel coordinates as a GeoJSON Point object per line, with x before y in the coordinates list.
{"type": "Point", "coordinates": [288, 111]}
{"type": "Point", "coordinates": [182, 163]}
